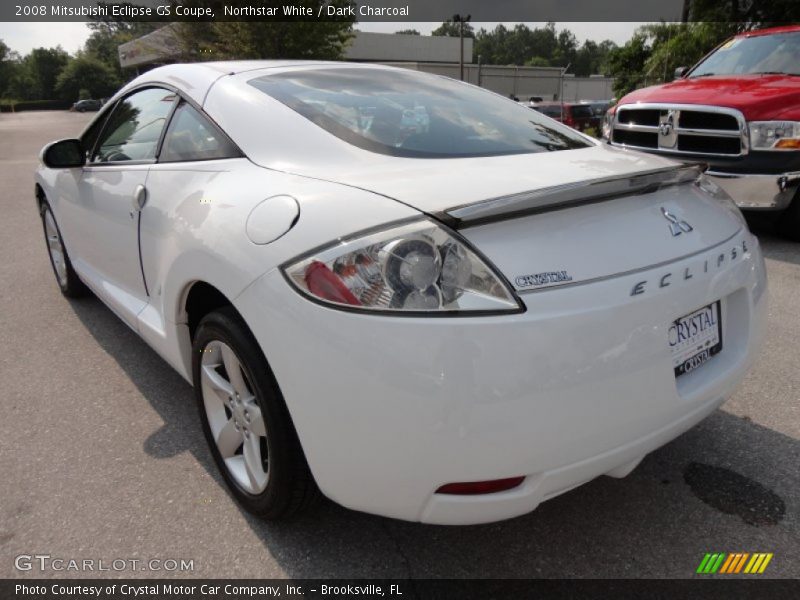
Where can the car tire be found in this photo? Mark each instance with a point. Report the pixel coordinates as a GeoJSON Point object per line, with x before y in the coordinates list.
{"type": "Point", "coordinates": [66, 277]}
{"type": "Point", "coordinates": [789, 220]}
{"type": "Point", "coordinates": [262, 463]}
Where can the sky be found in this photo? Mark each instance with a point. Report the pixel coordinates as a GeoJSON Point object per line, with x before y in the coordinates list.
{"type": "Point", "coordinates": [23, 37]}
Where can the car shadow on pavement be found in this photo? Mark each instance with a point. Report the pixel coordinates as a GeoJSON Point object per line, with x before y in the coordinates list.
{"type": "Point", "coordinates": [774, 246]}
{"type": "Point", "coordinates": [657, 522]}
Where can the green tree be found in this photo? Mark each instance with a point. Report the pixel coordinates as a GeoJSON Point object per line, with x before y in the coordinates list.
{"type": "Point", "coordinates": [32, 77]}
{"type": "Point", "coordinates": [537, 61]}
{"type": "Point", "coordinates": [44, 66]}
{"type": "Point", "coordinates": [22, 85]}
{"type": "Point", "coordinates": [566, 49]}
{"type": "Point", "coordinates": [491, 45]}
{"type": "Point", "coordinates": [107, 36]}
{"type": "Point", "coordinates": [682, 45]}
{"type": "Point", "coordinates": [9, 64]}
{"type": "Point", "coordinates": [592, 58]}
{"type": "Point", "coordinates": [298, 38]}
{"type": "Point", "coordinates": [626, 64]}
{"type": "Point", "coordinates": [655, 50]}
{"type": "Point", "coordinates": [86, 73]}
{"type": "Point", "coordinates": [452, 29]}
{"type": "Point", "coordinates": [541, 46]}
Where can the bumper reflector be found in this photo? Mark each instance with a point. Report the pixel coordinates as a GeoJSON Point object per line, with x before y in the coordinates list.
{"type": "Point", "coordinates": [471, 488]}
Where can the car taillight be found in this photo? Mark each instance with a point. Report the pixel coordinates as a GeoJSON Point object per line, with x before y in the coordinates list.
{"type": "Point", "coordinates": [412, 267]}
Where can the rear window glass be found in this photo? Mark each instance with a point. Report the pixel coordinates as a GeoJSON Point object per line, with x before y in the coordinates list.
{"type": "Point", "coordinates": [409, 114]}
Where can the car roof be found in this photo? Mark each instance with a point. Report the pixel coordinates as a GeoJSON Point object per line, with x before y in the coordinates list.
{"type": "Point", "coordinates": [196, 79]}
{"type": "Point", "coordinates": [770, 31]}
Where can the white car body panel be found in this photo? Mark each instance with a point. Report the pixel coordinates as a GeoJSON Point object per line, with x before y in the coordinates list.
{"type": "Point", "coordinates": [94, 212]}
{"type": "Point", "coordinates": [108, 232]}
{"type": "Point", "coordinates": [561, 394]}
{"type": "Point", "coordinates": [194, 229]}
{"type": "Point", "coordinates": [390, 408]}
{"type": "Point", "coordinates": [606, 239]}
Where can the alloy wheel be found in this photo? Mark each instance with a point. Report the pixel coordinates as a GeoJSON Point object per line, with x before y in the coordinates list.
{"type": "Point", "coordinates": [234, 417]}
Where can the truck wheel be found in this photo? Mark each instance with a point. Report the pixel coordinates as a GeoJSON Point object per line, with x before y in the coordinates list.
{"type": "Point", "coordinates": [789, 220]}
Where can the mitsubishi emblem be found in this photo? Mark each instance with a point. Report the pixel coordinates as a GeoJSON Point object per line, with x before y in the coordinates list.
{"type": "Point", "coordinates": [676, 226]}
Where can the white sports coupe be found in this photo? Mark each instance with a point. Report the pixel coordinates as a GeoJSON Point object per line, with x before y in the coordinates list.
{"type": "Point", "coordinates": [416, 296]}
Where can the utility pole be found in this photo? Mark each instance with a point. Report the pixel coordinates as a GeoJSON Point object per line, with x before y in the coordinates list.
{"type": "Point", "coordinates": [561, 88]}
{"type": "Point", "coordinates": [461, 21]}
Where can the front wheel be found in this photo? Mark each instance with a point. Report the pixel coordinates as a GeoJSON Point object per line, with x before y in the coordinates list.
{"type": "Point", "coordinates": [66, 277]}
{"type": "Point", "coordinates": [245, 420]}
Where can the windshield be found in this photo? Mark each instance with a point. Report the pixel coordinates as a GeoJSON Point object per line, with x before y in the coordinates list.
{"type": "Point", "coordinates": [405, 113]}
{"type": "Point", "coordinates": [776, 53]}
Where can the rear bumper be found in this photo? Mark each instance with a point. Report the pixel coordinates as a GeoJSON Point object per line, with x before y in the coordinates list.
{"type": "Point", "coordinates": [617, 462]}
{"type": "Point", "coordinates": [758, 191]}
{"type": "Point", "coordinates": [389, 409]}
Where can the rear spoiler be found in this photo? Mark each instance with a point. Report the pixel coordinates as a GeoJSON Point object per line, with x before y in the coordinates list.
{"type": "Point", "coordinates": [569, 195]}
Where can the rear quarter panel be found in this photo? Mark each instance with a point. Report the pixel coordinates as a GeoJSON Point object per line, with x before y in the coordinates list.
{"type": "Point", "coordinates": [193, 228]}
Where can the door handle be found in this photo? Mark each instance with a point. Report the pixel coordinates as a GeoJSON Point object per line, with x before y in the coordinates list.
{"type": "Point", "coordinates": [139, 197]}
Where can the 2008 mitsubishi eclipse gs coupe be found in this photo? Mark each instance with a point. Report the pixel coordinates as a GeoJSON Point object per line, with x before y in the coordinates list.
{"type": "Point", "coordinates": [406, 292]}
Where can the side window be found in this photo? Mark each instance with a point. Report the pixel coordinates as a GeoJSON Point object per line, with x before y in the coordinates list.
{"type": "Point", "coordinates": [134, 128]}
{"type": "Point", "coordinates": [191, 136]}
{"type": "Point", "coordinates": [89, 137]}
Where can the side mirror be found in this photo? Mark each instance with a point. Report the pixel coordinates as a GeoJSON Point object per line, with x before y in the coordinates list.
{"type": "Point", "coordinates": [64, 154]}
{"type": "Point", "coordinates": [680, 72]}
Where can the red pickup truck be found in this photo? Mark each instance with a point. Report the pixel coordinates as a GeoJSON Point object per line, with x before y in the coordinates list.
{"type": "Point", "coordinates": [738, 110]}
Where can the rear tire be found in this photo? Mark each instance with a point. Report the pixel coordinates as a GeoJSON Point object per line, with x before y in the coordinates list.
{"type": "Point", "coordinates": [246, 422]}
{"type": "Point", "coordinates": [789, 220]}
{"type": "Point", "coordinates": [67, 279]}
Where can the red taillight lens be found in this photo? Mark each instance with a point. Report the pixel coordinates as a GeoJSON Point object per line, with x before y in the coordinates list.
{"type": "Point", "coordinates": [470, 488]}
{"type": "Point", "coordinates": [324, 283]}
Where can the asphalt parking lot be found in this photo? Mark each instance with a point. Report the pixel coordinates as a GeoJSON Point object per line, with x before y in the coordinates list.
{"type": "Point", "coordinates": [101, 453]}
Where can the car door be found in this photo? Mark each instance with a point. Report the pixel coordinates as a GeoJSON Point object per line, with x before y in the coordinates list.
{"type": "Point", "coordinates": [197, 164]}
{"type": "Point", "coordinates": [111, 192]}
